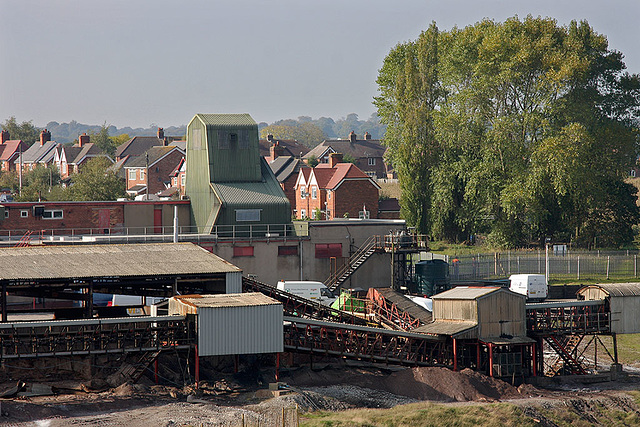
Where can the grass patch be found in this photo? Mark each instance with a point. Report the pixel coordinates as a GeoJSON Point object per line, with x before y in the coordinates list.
{"type": "Point", "coordinates": [422, 414]}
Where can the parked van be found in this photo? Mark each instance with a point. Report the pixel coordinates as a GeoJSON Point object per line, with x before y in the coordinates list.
{"type": "Point", "coordinates": [315, 291]}
{"type": "Point", "coordinates": [533, 286]}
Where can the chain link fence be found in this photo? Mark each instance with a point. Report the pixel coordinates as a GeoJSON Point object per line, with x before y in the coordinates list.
{"type": "Point", "coordinates": [561, 265]}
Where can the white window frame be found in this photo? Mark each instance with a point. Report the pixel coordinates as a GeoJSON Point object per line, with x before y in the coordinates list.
{"type": "Point", "coordinates": [361, 215]}
{"type": "Point", "coordinates": [314, 192]}
{"type": "Point", "coordinates": [6, 213]}
{"type": "Point", "coordinates": [302, 191]}
{"type": "Point", "coordinates": [132, 174]}
{"type": "Point", "coordinates": [372, 161]}
{"type": "Point", "coordinates": [183, 179]}
{"type": "Point", "coordinates": [303, 213]}
{"type": "Point", "coordinates": [142, 173]}
{"type": "Point", "coordinates": [55, 214]}
{"type": "Point", "coordinates": [24, 214]}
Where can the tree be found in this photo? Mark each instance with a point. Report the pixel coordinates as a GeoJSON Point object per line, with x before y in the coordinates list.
{"type": "Point", "coordinates": [521, 130]}
{"type": "Point", "coordinates": [25, 131]}
{"type": "Point", "coordinates": [103, 141]}
{"type": "Point", "coordinates": [305, 132]}
{"type": "Point", "coordinates": [39, 184]}
{"type": "Point", "coordinates": [96, 182]}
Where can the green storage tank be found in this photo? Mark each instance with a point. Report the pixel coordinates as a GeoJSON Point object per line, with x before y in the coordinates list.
{"type": "Point", "coordinates": [432, 277]}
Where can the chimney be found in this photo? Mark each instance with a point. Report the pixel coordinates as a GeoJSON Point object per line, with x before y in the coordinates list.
{"type": "Point", "coordinates": [4, 136]}
{"type": "Point", "coordinates": [352, 137]}
{"type": "Point", "coordinates": [45, 136]}
{"type": "Point", "coordinates": [160, 133]}
{"type": "Point", "coordinates": [275, 150]}
{"type": "Point", "coordinates": [270, 138]}
{"type": "Point", "coordinates": [367, 135]}
{"type": "Point", "coordinates": [165, 142]}
{"type": "Point", "coordinates": [334, 159]}
{"type": "Point", "coordinates": [83, 139]}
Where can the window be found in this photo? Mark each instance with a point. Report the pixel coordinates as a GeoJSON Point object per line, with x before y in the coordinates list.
{"type": "Point", "coordinates": [329, 194]}
{"type": "Point", "coordinates": [196, 135]}
{"type": "Point", "coordinates": [24, 214]}
{"type": "Point", "coordinates": [6, 213]}
{"type": "Point", "coordinates": [314, 192]}
{"type": "Point", "coordinates": [364, 214]}
{"type": "Point", "coordinates": [182, 179]}
{"type": "Point", "coordinates": [302, 192]}
{"type": "Point", "coordinates": [141, 174]}
{"type": "Point", "coordinates": [52, 214]}
{"type": "Point", "coordinates": [223, 140]}
{"type": "Point", "coordinates": [287, 250]}
{"type": "Point", "coordinates": [303, 213]}
{"type": "Point", "coordinates": [372, 161]}
{"type": "Point", "coordinates": [132, 174]}
{"type": "Point", "coordinates": [243, 139]}
{"type": "Point", "coordinates": [328, 250]}
{"type": "Point", "coordinates": [242, 251]}
{"type": "Point", "coordinates": [233, 139]}
{"type": "Point", "coordinates": [248, 214]}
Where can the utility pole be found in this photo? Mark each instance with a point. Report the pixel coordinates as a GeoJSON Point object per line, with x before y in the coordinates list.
{"type": "Point", "coordinates": [146, 173]}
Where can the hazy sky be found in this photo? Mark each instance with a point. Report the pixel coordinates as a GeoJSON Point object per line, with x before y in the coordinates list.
{"type": "Point", "coordinates": [137, 62]}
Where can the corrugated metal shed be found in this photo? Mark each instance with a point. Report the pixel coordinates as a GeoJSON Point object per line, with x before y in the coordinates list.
{"type": "Point", "coordinates": [624, 304]}
{"type": "Point", "coordinates": [496, 311]}
{"type": "Point", "coordinates": [87, 261]}
{"type": "Point", "coordinates": [228, 324]}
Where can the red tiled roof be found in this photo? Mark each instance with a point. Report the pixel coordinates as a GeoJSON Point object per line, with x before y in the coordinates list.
{"type": "Point", "coordinates": [9, 148]}
{"type": "Point", "coordinates": [323, 175]}
{"type": "Point", "coordinates": [342, 171]}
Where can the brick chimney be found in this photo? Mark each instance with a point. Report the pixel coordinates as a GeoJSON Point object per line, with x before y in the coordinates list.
{"type": "Point", "coordinates": [45, 136]}
{"type": "Point", "coordinates": [275, 150]}
{"type": "Point", "coordinates": [334, 159]}
{"type": "Point", "coordinates": [367, 135]}
{"type": "Point", "coordinates": [83, 139]}
{"type": "Point", "coordinates": [4, 136]}
{"type": "Point", "coordinates": [352, 137]}
{"type": "Point", "coordinates": [160, 133]}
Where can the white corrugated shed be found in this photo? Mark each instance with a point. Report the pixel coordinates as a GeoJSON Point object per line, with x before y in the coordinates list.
{"type": "Point", "coordinates": [234, 282]}
{"type": "Point", "coordinates": [228, 324]}
{"type": "Point", "coordinates": [624, 304]}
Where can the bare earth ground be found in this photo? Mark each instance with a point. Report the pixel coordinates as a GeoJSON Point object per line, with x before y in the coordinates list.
{"type": "Point", "coordinates": [225, 402]}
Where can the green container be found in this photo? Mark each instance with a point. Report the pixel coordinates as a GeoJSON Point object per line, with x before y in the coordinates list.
{"type": "Point", "coordinates": [432, 277]}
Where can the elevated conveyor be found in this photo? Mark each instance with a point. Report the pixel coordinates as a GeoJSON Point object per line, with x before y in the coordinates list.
{"type": "Point", "coordinates": [396, 309]}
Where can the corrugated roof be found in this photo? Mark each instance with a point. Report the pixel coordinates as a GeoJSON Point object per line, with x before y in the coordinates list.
{"type": "Point", "coordinates": [157, 259]}
{"type": "Point", "coordinates": [237, 120]}
{"type": "Point", "coordinates": [267, 192]}
{"type": "Point", "coordinates": [446, 327]}
{"type": "Point", "coordinates": [227, 300]}
{"type": "Point", "coordinates": [466, 292]}
{"type": "Point", "coordinates": [617, 289]}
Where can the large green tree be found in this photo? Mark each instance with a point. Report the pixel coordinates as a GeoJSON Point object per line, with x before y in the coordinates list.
{"type": "Point", "coordinates": [25, 131]}
{"type": "Point", "coordinates": [304, 132]}
{"type": "Point", "coordinates": [520, 130]}
{"type": "Point", "coordinates": [96, 181]}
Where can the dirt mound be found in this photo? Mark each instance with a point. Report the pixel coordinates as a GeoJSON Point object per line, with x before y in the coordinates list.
{"type": "Point", "coordinates": [425, 383]}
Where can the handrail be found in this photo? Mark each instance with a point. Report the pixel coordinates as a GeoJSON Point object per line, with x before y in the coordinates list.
{"type": "Point", "coordinates": [370, 243]}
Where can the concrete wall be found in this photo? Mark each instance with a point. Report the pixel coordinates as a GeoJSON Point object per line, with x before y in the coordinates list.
{"type": "Point", "coordinates": [269, 266]}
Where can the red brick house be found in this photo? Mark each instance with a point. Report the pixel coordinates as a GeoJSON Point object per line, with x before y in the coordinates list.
{"type": "Point", "coordinates": [272, 148]}
{"type": "Point", "coordinates": [336, 190]}
{"type": "Point", "coordinates": [10, 151]}
{"type": "Point", "coordinates": [159, 162]}
{"type": "Point", "coordinates": [69, 160]}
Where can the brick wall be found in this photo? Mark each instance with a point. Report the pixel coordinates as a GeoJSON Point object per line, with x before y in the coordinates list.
{"type": "Point", "coordinates": [159, 172]}
{"type": "Point", "coordinates": [351, 196]}
{"type": "Point", "coordinates": [378, 169]}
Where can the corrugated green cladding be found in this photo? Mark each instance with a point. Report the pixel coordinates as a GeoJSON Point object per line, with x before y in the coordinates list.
{"type": "Point", "coordinates": [225, 172]}
{"type": "Point", "coordinates": [197, 179]}
{"type": "Point", "coordinates": [266, 195]}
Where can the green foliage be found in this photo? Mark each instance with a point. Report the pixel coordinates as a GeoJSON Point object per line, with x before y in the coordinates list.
{"type": "Point", "coordinates": [96, 182]}
{"type": "Point", "coordinates": [41, 184]}
{"type": "Point", "coordinates": [305, 133]}
{"type": "Point", "coordinates": [317, 214]}
{"type": "Point", "coordinates": [313, 161]}
{"type": "Point", "coordinates": [348, 158]}
{"type": "Point", "coordinates": [103, 141]}
{"type": "Point", "coordinates": [518, 130]}
{"type": "Point", "coordinates": [25, 131]}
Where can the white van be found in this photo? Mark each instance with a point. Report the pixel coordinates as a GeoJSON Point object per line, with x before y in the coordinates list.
{"type": "Point", "coordinates": [533, 286]}
{"type": "Point", "coordinates": [315, 291]}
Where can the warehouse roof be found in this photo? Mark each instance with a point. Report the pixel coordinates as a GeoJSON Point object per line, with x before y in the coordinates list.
{"type": "Point", "coordinates": [616, 289]}
{"type": "Point", "coordinates": [227, 300]}
{"type": "Point", "coordinates": [88, 261]}
{"type": "Point", "coordinates": [226, 119]}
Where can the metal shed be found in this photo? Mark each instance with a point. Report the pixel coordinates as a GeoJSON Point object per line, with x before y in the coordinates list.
{"type": "Point", "coordinates": [478, 312]}
{"type": "Point", "coordinates": [624, 304]}
{"type": "Point", "coordinates": [233, 324]}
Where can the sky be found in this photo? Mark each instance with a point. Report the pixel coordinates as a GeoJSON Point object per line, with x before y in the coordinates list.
{"type": "Point", "coordinates": [159, 62]}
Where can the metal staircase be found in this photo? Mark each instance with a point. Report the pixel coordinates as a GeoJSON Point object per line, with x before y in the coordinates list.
{"type": "Point", "coordinates": [368, 248]}
{"type": "Point", "coordinates": [133, 371]}
{"type": "Point", "coordinates": [25, 240]}
{"type": "Point", "coordinates": [565, 346]}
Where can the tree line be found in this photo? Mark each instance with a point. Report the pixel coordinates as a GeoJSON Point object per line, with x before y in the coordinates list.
{"type": "Point", "coordinates": [519, 131]}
